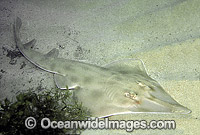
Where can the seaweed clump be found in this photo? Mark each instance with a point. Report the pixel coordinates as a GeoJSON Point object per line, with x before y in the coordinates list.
{"type": "Point", "coordinates": [57, 106]}
{"type": "Point", "coordinates": [12, 54]}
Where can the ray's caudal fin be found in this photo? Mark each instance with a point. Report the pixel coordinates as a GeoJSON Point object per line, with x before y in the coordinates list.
{"type": "Point", "coordinates": [38, 59]}
{"type": "Point", "coordinates": [16, 27]}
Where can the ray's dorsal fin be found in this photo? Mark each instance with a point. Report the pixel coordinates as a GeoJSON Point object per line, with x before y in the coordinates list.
{"type": "Point", "coordinates": [38, 59]}
{"type": "Point", "coordinates": [30, 44]}
{"type": "Point", "coordinates": [127, 66]}
{"type": "Point", "coordinates": [53, 53]}
{"type": "Point", "coordinates": [16, 28]}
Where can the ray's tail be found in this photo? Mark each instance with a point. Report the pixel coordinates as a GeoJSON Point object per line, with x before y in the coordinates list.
{"type": "Point", "coordinates": [16, 27]}
{"type": "Point", "coordinates": [38, 59]}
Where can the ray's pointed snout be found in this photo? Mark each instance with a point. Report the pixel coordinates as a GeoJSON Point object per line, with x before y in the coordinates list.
{"type": "Point", "coordinates": [182, 110]}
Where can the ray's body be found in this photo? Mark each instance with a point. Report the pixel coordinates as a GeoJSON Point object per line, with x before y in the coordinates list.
{"type": "Point", "coordinates": [118, 88]}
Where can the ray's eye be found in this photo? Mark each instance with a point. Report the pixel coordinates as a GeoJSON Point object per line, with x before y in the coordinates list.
{"type": "Point", "coordinates": [130, 95]}
{"type": "Point", "coordinates": [126, 94]}
{"type": "Point", "coordinates": [133, 96]}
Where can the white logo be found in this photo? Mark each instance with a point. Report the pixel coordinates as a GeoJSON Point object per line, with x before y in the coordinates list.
{"type": "Point", "coordinates": [30, 122]}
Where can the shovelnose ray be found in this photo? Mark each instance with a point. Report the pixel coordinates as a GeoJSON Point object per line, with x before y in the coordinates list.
{"type": "Point", "coordinates": [121, 87]}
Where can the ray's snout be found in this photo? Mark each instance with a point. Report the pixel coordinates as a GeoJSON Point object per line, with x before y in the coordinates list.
{"type": "Point", "coordinates": [182, 110]}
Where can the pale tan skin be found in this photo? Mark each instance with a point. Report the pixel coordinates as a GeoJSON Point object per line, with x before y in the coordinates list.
{"type": "Point", "coordinates": [119, 88]}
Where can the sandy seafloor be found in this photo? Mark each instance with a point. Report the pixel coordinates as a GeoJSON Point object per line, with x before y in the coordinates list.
{"type": "Point", "coordinates": [163, 33]}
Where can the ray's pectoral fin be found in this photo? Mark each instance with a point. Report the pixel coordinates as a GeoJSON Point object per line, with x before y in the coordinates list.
{"type": "Point", "coordinates": [138, 92]}
{"type": "Point", "coordinates": [128, 66]}
{"type": "Point", "coordinates": [64, 83]}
